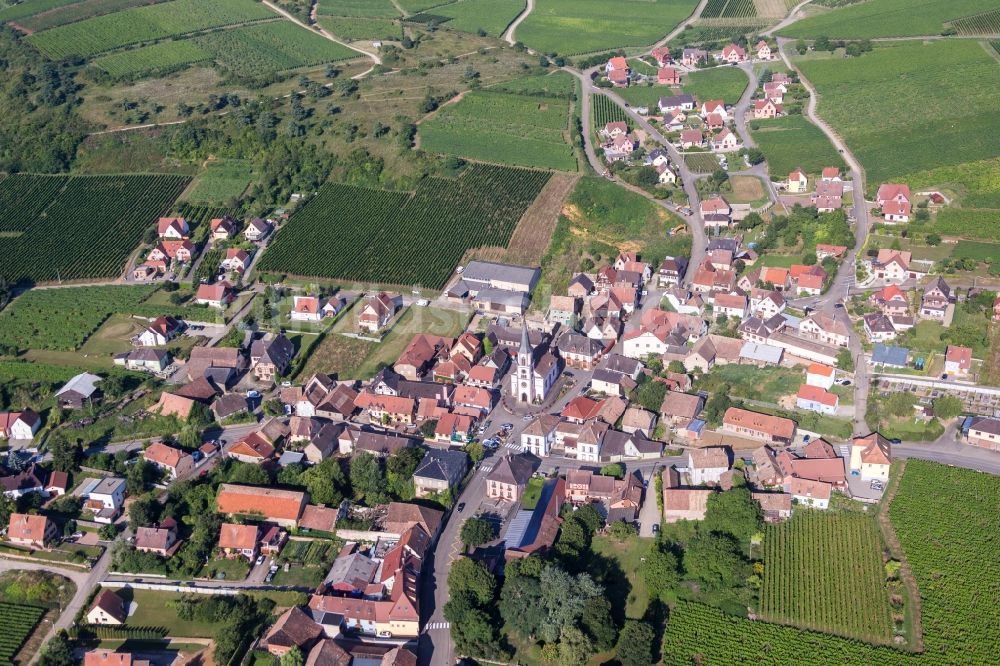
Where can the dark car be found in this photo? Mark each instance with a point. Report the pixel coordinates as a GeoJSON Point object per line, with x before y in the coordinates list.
{"type": "Point", "coordinates": [895, 441]}
{"type": "Point", "coordinates": [656, 528]}
{"type": "Point", "coordinates": [461, 507]}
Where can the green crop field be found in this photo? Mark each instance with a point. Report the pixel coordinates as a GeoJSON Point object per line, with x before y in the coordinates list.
{"type": "Point", "coordinates": [948, 538]}
{"type": "Point", "coordinates": [24, 197]}
{"type": "Point", "coordinates": [271, 47]}
{"type": "Point", "coordinates": [354, 28]}
{"type": "Point", "coordinates": [373, 8]}
{"type": "Point", "coordinates": [701, 162]}
{"type": "Point", "coordinates": [978, 251]}
{"type": "Point", "coordinates": [499, 127]}
{"type": "Point", "coordinates": [89, 229]}
{"type": "Point", "coordinates": [417, 6]}
{"type": "Point", "coordinates": [792, 142]}
{"type": "Point", "coordinates": [557, 84]}
{"type": "Point", "coordinates": [978, 223]}
{"type": "Point", "coordinates": [872, 101]}
{"type": "Point", "coordinates": [823, 571]}
{"type": "Point", "coordinates": [491, 16]}
{"type": "Point", "coordinates": [975, 184]}
{"type": "Point", "coordinates": [63, 319]}
{"type": "Point", "coordinates": [17, 621]}
{"type": "Point", "coordinates": [606, 111]}
{"type": "Point", "coordinates": [729, 9]}
{"type": "Point", "coordinates": [361, 234]}
{"type": "Point", "coordinates": [142, 24]}
{"type": "Point", "coordinates": [571, 27]}
{"type": "Point", "coordinates": [725, 83]}
{"type": "Point", "coordinates": [25, 9]}
{"type": "Point", "coordinates": [221, 181]}
{"type": "Point", "coordinates": [78, 11]}
{"type": "Point", "coordinates": [886, 18]}
{"type": "Point", "coordinates": [155, 58]}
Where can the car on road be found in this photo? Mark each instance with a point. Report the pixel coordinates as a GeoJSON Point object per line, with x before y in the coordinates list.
{"type": "Point", "coordinates": [507, 426]}
{"type": "Point", "coordinates": [269, 577]}
{"type": "Point", "coordinates": [838, 305]}
{"type": "Point", "coordinates": [527, 417]}
{"type": "Point", "coordinates": [656, 528]}
{"type": "Point", "coordinates": [460, 508]}
{"type": "Point", "coordinates": [260, 560]}
{"type": "Point", "coordinates": [944, 376]}
{"type": "Point", "coordinates": [491, 443]}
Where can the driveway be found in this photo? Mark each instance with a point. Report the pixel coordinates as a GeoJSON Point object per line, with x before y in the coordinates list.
{"type": "Point", "coordinates": [649, 513]}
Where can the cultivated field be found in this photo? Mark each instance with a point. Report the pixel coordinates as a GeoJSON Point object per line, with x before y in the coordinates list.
{"type": "Point", "coordinates": [606, 111]}
{"type": "Point", "coordinates": [725, 83]}
{"type": "Point", "coordinates": [872, 101]}
{"type": "Point", "coordinates": [89, 229]}
{"type": "Point", "coordinates": [500, 127]}
{"type": "Point", "coordinates": [823, 571]}
{"type": "Point", "coordinates": [78, 11]}
{"type": "Point", "coordinates": [63, 319]}
{"type": "Point", "coordinates": [491, 16]}
{"type": "Point", "coordinates": [142, 24]}
{"type": "Point", "coordinates": [556, 84]}
{"type": "Point", "coordinates": [354, 28]}
{"type": "Point", "coordinates": [792, 142]}
{"type": "Point", "coordinates": [948, 541]}
{"type": "Point", "coordinates": [17, 621]}
{"type": "Point", "coordinates": [729, 9]}
{"type": "Point", "coordinates": [25, 9]}
{"type": "Point", "coordinates": [221, 181]}
{"type": "Point", "coordinates": [156, 58]}
{"type": "Point", "coordinates": [986, 23]}
{"type": "Point", "coordinates": [701, 162]}
{"type": "Point", "coordinates": [24, 197]}
{"type": "Point", "coordinates": [271, 47]}
{"type": "Point", "coordinates": [365, 235]}
{"type": "Point", "coordinates": [886, 18]}
{"type": "Point", "coordinates": [377, 8]}
{"type": "Point", "coordinates": [570, 27]}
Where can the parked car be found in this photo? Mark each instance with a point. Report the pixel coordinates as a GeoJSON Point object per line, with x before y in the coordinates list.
{"type": "Point", "coordinates": [460, 508]}
{"type": "Point", "coordinates": [260, 561]}
{"type": "Point", "coordinates": [656, 528]}
{"type": "Point", "coordinates": [252, 394]}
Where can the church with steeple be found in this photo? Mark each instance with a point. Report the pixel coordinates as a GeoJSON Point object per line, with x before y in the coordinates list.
{"type": "Point", "coordinates": [534, 374]}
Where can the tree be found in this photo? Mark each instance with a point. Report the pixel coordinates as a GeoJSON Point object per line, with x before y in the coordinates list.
{"type": "Point", "coordinates": [476, 451]}
{"type": "Point", "coordinates": [367, 479]}
{"type": "Point", "coordinates": [6, 508]}
{"type": "Point", "coordinates": [809, 258]}
{"type": "Point", "coordinates": [108, 532]}
{"type": "Point", "coordinates": [901, 404]}
{"type": "Point", "coordinates": [599, 623]}
{"type": "Point", "coordinates": [649, 394]}
{"type": "Point", "coordinates": [845, 361]}
{"type": "Point", "coordinates": [734, 512]}
{"type": "Point", "coordinates": [58, 651]}
{"type": "Point", "coordinates": [326, 482]}
{"type": "Point", "coordinates": [144, 511]}
{"type": "Point", "coordinates": [427, 428]}
{"type": "Point", "coordinates": [661, 571]}
{"type": "Point", "coordinates": [620, 530]}
{"type": "Point", "coordinates": [616, 470]}
{"type": "Point", "coordinates": [471, 577]}
{"type": "Point", "coordinates": [564, 597]}
{"type": "Point", "coordinates": [399, 470]}
{"type": "Point", "coordinates": [715, 560]}
{"type": "Point", "coordinates": [717, 405]}
{"type": "Point", "coordinates": [475, 532]}
{"type": "Point", "coordinates": [140, 474]}
{"type": "Point", "coordinates": [521, 604]}
{"type": "Point", "coordinates": [947, 407]}
{"type": "Point", "coordinates": [65, 454]}
{"type": "Point", "coordinates": [933, 239]}
{"type": "Point", "coordinates": [635, 644]}
{"type": "Point", "coordinates": [292, 658]}
{"type": "Point", "coordinates": [575, 648]}
{"type": "Point", "coordinates": [676, 367]}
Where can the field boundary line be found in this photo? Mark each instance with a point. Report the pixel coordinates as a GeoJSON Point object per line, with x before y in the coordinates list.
{"type": "Point", "coordinates": [896, 548]}
{"type": "Point", "coordinates": [321, 30]}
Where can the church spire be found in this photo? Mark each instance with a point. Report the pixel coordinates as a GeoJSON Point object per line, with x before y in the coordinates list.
{"type": "Point", "coordinates": [525, 342]}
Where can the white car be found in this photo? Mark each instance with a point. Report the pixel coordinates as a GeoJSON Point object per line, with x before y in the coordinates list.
{"type": "Point", "coordinates": [253, 394]}
{"type": "Point", "coordinates": [423, 302]}
{"type": "Point", "coordinates": [460, 269]}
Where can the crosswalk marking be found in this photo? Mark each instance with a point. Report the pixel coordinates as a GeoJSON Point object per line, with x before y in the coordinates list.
{"type": "Point", "coordinates": [437, 625]}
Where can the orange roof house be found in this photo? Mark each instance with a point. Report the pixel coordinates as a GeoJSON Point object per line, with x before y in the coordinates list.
{"type": "Point", "coordinates": [758, 426]}
{"type": "Point", "coordinates": [279, 506]}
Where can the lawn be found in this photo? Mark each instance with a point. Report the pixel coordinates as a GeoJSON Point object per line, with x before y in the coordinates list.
{"type": "Point", "coordinates": [780, 260]}
{"type": "Point", "coordinates": [919, 250]}
{"type": "Point", "coordinates": [870, 100]}
{"type": "Point", "coordinates": [506, 128]}
{"type": "Point", "coordinates": [979, 251]}
{"type": "Point", "coordinates": [792, 142]}
{"type": "Point", "coordinates": [532, 493]}
{"type": "Point", "coordinates": [746, 381]}
{"type": "Point", "coordinates": [599, 220]}
{"type": "Point", "coordinates": [220, 568]}
{"type": "Point", "coordinates": [113, 337]}
{"type": "Point", "coordinates": [570, 27]}
{"type": "Point", "coordinates": [350, 357]}
{"type": "Point", "coordinates": [745, 189]}
{"type": "Point", "coordinates": [629, 555]}
{"type": "Point", "coordinates": [886, 18]}
{"type": "Point", "coordinates": [153, 610]}
{"type": "Point", "coordinates": [725, 83]}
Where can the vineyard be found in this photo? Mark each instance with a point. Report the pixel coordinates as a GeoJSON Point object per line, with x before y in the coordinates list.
{"type": "Point", "coordinates": [490, 16]}
{"type": "Point", "coordinates": [946, 520]}
{"type": "Point", "coordinates": [366, 235]}
{"type": "Point", "coordinates": [24, 197]}
{"type": "Point", "coordinates": [221, 181]}
{"type": "Point", "coordinates": [729, 9]}
{"type": "Point", "coordinates": [25, 9]}
{"type": "Point", "coordinates": [499, 127]}
{"type": "Point", "coordinates": [701, 162]}
{"type": "Point", "coordinates": [271, 47]}
{"type": "Point", "coordinates": [987, 23]}
{"type": "Point", "coordinates": [78, 11]}
{"type": "Point", "coordinates": [353, 28]}
{"type": "Point", "coordinates": [155, 58]}
{"type": "Point", "coordinates": [89, 229]}
{"type": "Point", "coordinates": [63, 319]}
{"type": "Point", "coordinates": [824, 572]}
{"type": "Point", "coordinates": [17, 621]}
{"type": "Point", "coordinates": [143, 24]}
{"type": "Point", "coordinates": [376, 8]}
{"type": "Point", "coordinates": [606, 111]}
{"type": "Point", "coordinates": [557, 84]}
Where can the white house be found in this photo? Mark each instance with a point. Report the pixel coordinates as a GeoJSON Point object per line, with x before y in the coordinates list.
{"type": "Point", "coordinates": [306, 308]}
{"type": "Point", "coordinates": [19, 425]}
{"type": "Point", "coordinates": [105, 499]}
{"type": "Point", "coordinates": [538, 438]}
{"type": "Point", "coordinates": [820, 375]}
{"type": "Point", "coordinates": [809, 493]}
{"type": "Point", "coordinates": [706, 466]}
{"type": "Point", "coordinates": [815, 399]}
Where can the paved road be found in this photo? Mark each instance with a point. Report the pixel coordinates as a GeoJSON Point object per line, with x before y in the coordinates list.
{"type": "Point", "coordinates": [508, 36]}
